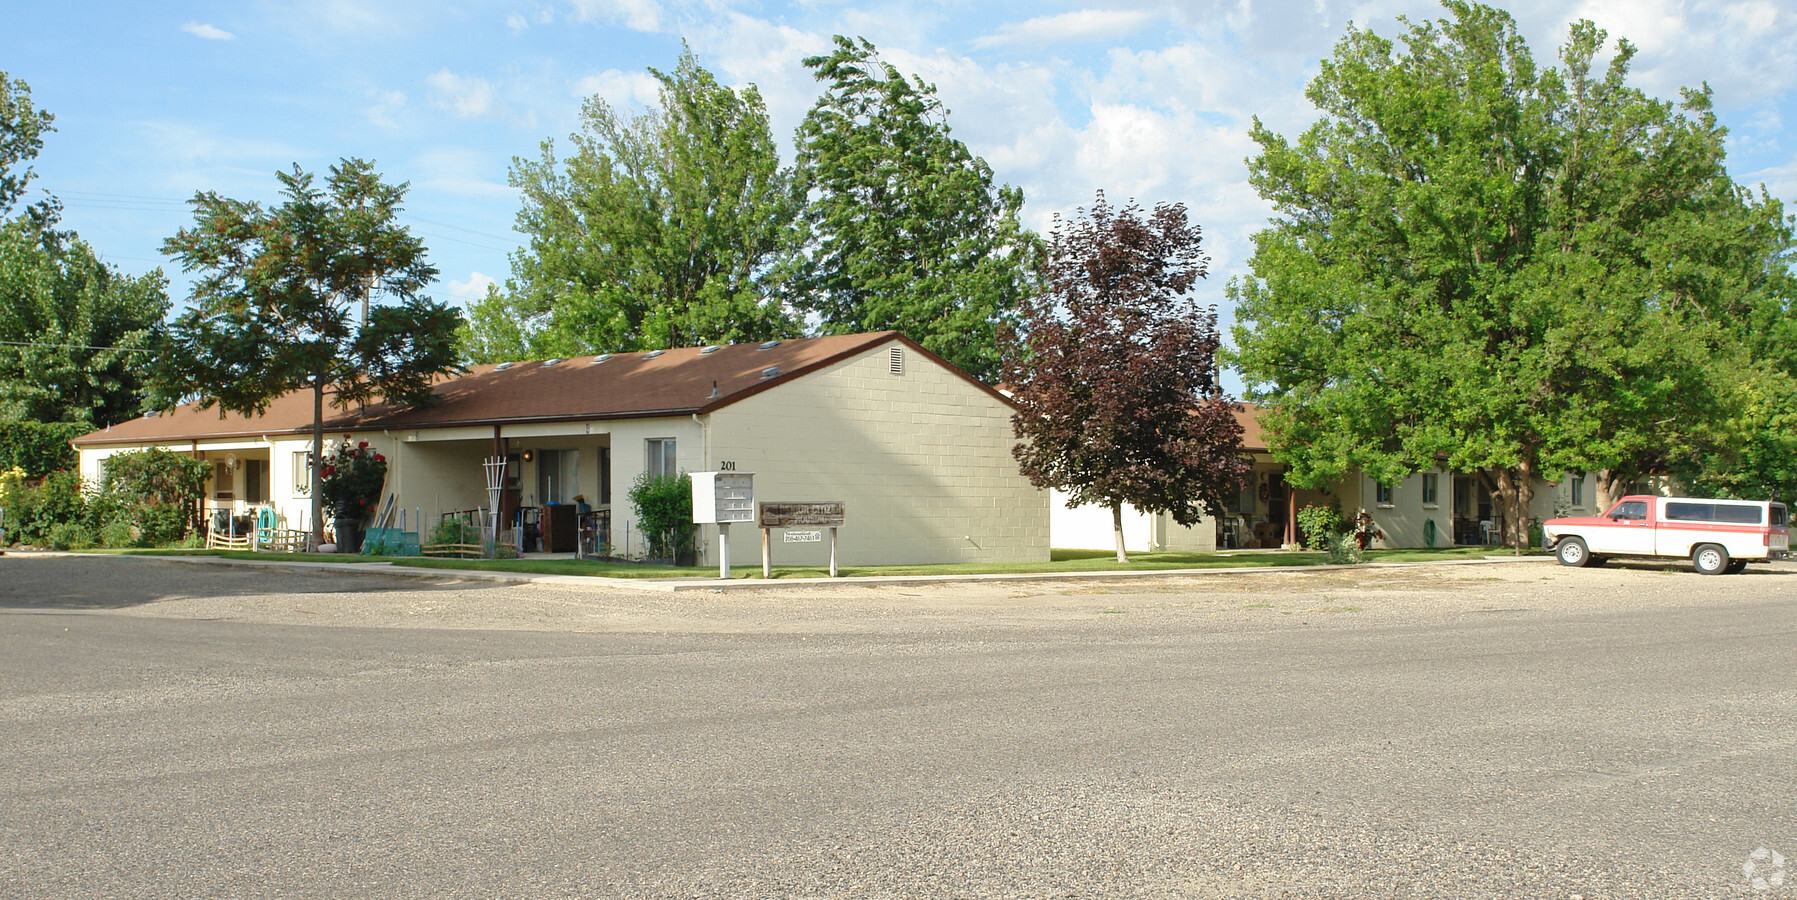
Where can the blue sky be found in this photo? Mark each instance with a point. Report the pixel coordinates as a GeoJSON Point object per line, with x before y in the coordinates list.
{"type": "Point", "coordinates": [1149, 100]}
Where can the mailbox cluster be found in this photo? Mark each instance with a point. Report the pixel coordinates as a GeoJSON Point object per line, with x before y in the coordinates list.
{"type": "Point", "coordinates": [725, 498]}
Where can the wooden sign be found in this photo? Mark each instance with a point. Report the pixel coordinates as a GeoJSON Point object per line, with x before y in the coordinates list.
{"type": "Point", "coordinates": [807, 513]}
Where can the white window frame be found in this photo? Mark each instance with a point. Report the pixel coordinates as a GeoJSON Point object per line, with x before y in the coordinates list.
{"type": "Point", "coordinates": [1383, 495]}
{"type": "Point", "coordinates": [660, 456]}
{"type": "Point", "coordinates": [1431, 490]}
{"type": "Point", "coordinates": [302, 473]}
{"type": "Point", "coordinates": [1578, 490]}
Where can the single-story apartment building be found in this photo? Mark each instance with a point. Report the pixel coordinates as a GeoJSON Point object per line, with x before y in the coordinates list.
{"type": "Point", "coordinates": [918, 451]}
{"type": "Point", "coordinates": [1437, 508]}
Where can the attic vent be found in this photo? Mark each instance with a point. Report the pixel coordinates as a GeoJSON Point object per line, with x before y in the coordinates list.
{"type": "Point", "coordinates": [769, 345]}
{"type": "Point", "coordinates": [550, 362]}
{"type": "Point", "coordinates": [898, 361]}
{"type": "Point", "coordinates": [770, 371]}
{"type": "Point", "coordinates": [502, 367]}
{"type": "Point", "coordinates": [599, 359]}
{"type": "Point", "coordinates": [653, 354]}
{"type": "Point", "coordinates": [711, 349]}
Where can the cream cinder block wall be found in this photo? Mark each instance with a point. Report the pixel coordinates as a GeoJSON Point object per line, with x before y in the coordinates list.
{"type": "Point", "coordinates": [435, 477]}
{"type": "Point", "coordinates": [1405, 520]}
{"type": "Point", "coordinates": [921, 459]}
{"type": "Point", "coordinates": [629, 457]}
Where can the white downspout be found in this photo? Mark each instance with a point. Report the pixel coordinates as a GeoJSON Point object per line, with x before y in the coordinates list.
{"type": "Point", "coordinates": [704, 466]}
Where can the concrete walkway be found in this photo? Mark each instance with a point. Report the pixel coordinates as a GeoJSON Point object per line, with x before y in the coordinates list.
{"type": "Point", "coordinates": [669, 585]}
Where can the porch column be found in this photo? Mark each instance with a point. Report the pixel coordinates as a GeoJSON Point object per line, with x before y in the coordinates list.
{"type": "Point", "coordinates": [1291, 511]}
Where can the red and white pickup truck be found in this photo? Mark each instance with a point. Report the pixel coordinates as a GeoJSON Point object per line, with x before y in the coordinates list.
{"type": "Point", "coordinates": [1717, 535]}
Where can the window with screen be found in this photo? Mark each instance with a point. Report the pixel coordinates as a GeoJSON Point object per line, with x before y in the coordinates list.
{"type": "Point", "coordinates": [302, 472]}
{"type": "Point", "coordinates": [660, 457]}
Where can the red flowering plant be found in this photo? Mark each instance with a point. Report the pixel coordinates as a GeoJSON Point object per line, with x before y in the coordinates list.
{"type": "Point", "coordinates": [353, 475]}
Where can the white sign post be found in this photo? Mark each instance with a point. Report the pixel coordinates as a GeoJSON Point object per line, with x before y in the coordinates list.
{"type": "Point", "coordinates": [720, 498]}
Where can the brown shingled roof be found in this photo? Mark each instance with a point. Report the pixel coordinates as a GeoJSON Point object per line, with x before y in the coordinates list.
{"type": "Point", "coordinates": [1253, 439]}
{"type": "Point", "coordinates": [622, 385]}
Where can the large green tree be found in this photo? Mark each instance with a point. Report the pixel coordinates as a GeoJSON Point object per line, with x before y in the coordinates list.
{"type": "Point", "coordinates": [74, 331]}
{"type": "Point", "coordinates": [285, 301]}
{"type": "Point", "coordinates": [22, 129]}
{"type": "Point", "coordinates": [72, 328]}
{"type": "Point", "coordinates": [1526, 271]}
{"type": "Point", "coordinates": [906, 228]}
{"type": "Point", "coordinates": [662, 229]}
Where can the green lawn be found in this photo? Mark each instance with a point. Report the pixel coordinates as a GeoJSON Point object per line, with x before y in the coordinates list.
{"type": "Point", "coordinates": [1061, 561]}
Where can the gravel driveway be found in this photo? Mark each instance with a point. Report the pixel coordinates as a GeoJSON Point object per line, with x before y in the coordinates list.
{"type": "Point", "coordinates": [1319, 597]}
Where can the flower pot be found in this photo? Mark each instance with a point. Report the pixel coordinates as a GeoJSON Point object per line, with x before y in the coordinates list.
{"type": "Point", "coordinates": [349, 527]}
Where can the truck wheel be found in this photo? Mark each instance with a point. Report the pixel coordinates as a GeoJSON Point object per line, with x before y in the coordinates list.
{"type": "Point", "coordinates": [1710, 559]}
{"type": "Point", "coordinates": [1735, 567]}
{"type": "Point", "coordinates": [1571, 552]}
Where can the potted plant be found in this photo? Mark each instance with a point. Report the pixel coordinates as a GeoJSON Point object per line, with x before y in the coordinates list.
{"type": "Point", "coordinates": [351, 480]}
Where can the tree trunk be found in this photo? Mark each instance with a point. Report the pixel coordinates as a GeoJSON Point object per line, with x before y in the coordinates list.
{"type": "Point", "coordinates": [1515, 491]}
{"type": "Point", "coordinates": [1609, 488]}
{"type": "Point", "coordinates": [1117, 526]}
{"type": "Point", "coordinates": [317, 463]}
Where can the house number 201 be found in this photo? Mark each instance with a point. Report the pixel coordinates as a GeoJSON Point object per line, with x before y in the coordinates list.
{"type": "Point", "coordinates": [726, 466]}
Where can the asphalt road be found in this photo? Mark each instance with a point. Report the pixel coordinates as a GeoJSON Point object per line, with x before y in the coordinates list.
{"type": "Point", "coordinates": [1474, 737]}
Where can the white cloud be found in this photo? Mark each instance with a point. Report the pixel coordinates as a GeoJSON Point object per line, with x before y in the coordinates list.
{"type": "Point", "coordinates": [472, 290]}
{"type": "Point", "coordinates": [637, 15]}
{"type": "Point", "coordinates": [743, 49]}
{"type": "Point", "coordinates": [1081, 25]}
{"type": "Point", "coordinates": [623, 90]}
{"type": "Point", "coordinates": [468, 96]}
{"type": "Point", "coordinates": [516, 22]}
{"type": "Point", "coordinates": [459, 170]}
{"type": "Point", "coordinates": [1780, 181]}
{"type": "Point", "coordinates": [386, 104]}
{"type": "Point", "coordinates": [209, 32]}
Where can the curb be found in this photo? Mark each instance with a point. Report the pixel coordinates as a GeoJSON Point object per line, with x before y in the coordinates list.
{"type": "Point", "coordinates": [752, 584]}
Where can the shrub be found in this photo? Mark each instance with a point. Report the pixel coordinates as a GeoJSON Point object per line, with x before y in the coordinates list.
{"type": "Point", "coordinates": [455, 531]}
{"type": "Point", "coordinates": [1343, 550]}
{"type": "Point", "coordinates": [34, 512]}
{"type": "Point", "coordinates": [118, 533]}
{"type": "Point", "coordinates": [1320, 523]}
{"type": "Point", "coordinates": [163, 523]}
{"type": "Point", "coordinates": [664, 510]}
{"type": "Point", "coordinates": [69, 536]}
{"type": "Point", "coordinates": [157, 491]}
